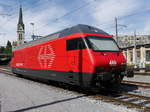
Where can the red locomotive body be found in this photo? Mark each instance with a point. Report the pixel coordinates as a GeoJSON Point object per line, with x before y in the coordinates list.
{"type": "Point", "coordinates": [81, 55]}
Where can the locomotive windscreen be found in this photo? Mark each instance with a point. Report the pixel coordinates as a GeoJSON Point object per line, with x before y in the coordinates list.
{"type": "Point", "coordinates": [102, 44]}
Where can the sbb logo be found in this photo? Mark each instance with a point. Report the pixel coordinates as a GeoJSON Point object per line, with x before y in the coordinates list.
{"type": "Point", "coordinates": [112, 63]}
{"type": "Point", "coordinates": [46, 56]}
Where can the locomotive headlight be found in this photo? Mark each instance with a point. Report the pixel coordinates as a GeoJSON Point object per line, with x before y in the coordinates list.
{"type": "Point", "coordinates": [112, 63]}
{"type": "Point", "coordinates": [99, 69]}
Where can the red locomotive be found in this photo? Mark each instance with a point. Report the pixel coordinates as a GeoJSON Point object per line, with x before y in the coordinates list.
{"type": "Point", "coordinates": [81, 55]}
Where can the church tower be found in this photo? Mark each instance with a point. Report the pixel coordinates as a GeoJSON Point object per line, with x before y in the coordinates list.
{"type": "Point", "coordinates": [20, 29]}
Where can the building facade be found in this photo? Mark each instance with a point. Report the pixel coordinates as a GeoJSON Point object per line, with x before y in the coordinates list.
{"type": "Point", "coordinates": [136, 49]}
{"type": "Point", "coordinates": [129, 40]}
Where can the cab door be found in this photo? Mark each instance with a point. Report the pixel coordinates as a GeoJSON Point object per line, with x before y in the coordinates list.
{"type": "Point", "coordinates": [74, 60]}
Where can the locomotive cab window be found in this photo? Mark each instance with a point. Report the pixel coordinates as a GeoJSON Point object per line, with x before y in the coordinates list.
{"type": "Point", "coordinates": [75, 44]}
{"type": "Point", "coordinates": [102, 44]}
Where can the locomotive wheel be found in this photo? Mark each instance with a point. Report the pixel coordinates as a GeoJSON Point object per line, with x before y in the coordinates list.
{"type": "Point", "coordinates": [117, 80]}
{"type": "Point", "coordinates": [114, 82]}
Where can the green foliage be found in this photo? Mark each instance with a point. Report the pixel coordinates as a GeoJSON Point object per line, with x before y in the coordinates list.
{"type": "Point", "coordinates": [2, 49]}
{"type": "Point", "coordinates": [7, 49]}
{"type": "Point", "coordinates": [131, 65]}
{"type": "Point", "coordinates": [147, 64]}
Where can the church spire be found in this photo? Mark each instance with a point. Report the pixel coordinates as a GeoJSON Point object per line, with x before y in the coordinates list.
{"type": "Point", "coordinates": [20, 28]}
{"type": "Point", "coordinates": [20, 21]}
{"type": "Point", "coordinates": [20, 16]}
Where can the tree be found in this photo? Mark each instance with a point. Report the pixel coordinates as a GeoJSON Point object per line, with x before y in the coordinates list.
{"type": "Point", "coordinates": [8, 49]}
{"type": "Point", "coordinates": [2, 49]}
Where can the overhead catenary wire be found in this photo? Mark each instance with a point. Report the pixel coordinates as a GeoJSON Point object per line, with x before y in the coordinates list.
{"type": "Point", "coordinates": [68, 13]}
{"type": "Point", "coordinates": [119, 18]}
{"type": "Point", "coordinates": [79, 8]}
{"type": "Point", "coordinates": [76, 9]}
{"type": "Point", "coordinates": [14, 14]}
{"type": "Point", "coordinates": [20, 2]}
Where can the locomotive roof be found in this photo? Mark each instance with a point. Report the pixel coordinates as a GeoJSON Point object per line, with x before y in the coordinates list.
{"type": "Point", "coordinates": [80, 28]}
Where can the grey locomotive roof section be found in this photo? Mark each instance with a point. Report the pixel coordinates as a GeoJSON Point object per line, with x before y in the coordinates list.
{"type": "Point", "coordinates": [38, 41]}
{"type": "Point", "coordinates": [82, 28]}
{"type": "Point", "coordinates": [68, 31]}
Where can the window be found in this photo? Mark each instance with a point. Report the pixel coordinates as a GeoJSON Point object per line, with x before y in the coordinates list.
{"type": "Point", "coordinates": [147, 55]}
{"type": "Point", "coordinates": [138, 56]}
{"type": "Point", "coordinates": [102, 44]}
{"type": "Point", "coordinates": [74, 44]}
{"type": "Point", "coordinates": [20, 36]}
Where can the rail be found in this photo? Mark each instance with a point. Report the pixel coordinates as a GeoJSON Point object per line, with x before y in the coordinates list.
{"type": "Point", "coordinates": [116, 97]}
{"type": "Point", "coordinates": [138, 84]}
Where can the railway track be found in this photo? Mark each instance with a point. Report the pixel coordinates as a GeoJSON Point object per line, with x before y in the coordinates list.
{"type": "Point", "coordinates": [130, 100]}
{"type": "Point", "coordinates": [121, 98]}
{"type": "Point", "coordinates": [139, 84]}
{"type": "Point", "coordinates": [144, 73]}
